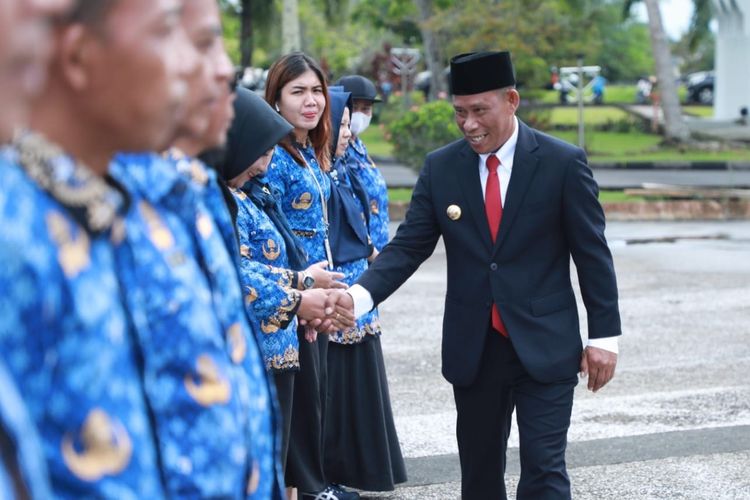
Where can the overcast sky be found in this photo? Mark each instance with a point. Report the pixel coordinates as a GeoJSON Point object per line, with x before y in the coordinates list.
{"type": "Point", "coordinates": [675, 14]}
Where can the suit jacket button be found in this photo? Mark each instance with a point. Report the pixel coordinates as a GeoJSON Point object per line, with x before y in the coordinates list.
{"type": "Point", "coordinates": [493, 267]}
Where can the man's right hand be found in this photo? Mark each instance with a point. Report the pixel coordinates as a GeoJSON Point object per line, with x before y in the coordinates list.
{"type": "Point", "coordinates": [314, 311]}
{"type": "Point", "coordinates": [337, 301]}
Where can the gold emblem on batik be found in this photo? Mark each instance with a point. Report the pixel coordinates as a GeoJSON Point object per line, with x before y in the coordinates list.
{"type": "Point", "coordinates": [271, 250]}
{"type": "Point", "coordinates": [205, 226]}
{"type": "Point", "coordinates": [251, 295]}
{"type": "Point", "coordinates": [158, 232]}
{"type": "Point", "coordinates": [237, 343]}
{"type": "Point", "coordinates": [302, 202]}
{"type": "Point", "coordinates": [207, 387]}
{"type": "Point", "coordinates": [73, 252]}
{"type": "Point", "coordinates": [105, 448]}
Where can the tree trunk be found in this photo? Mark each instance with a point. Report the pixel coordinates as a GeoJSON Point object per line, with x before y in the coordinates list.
{"type": "Point", "coordinates": [675, 128]}
{"type": "Point", "coordinates": [431, 49]}
{"type": "Point", "coordinates": [246, 34]}
{"type": "Point", "coordinates": [290, 32]}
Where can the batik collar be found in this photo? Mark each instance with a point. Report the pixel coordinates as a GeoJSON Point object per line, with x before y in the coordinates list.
{"type": "Point", "coordinates": [94, 201]}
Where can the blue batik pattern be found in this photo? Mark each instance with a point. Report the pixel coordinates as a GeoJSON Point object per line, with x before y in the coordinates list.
{"type": "Point", "coordinates": [27, 447]}
{"type": "Point", "coordinates": [200, 389]}
{"type": "Point", "coordinates": [373, 181]}
{"type": "Point", "coordinates": [264, 414]}
{"type": "Point", "coordinates": [369, 323]}
{"type": "Point", "coordinates": [63, 328]}
{"type": "Point", "coordinates": [295, 187]}
{"type": "Point", "coordinates": [267, 281]}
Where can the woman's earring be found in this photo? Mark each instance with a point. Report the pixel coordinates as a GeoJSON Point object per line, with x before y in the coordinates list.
{"type": "Point", "coordinates": [277, 107]}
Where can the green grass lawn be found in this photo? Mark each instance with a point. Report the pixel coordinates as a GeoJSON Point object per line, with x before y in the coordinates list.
{"type": "Point", "coordinates": [399, 194]}
{"type": "Point", "coordinates": [374, 139]}
{"type": "Point", "coordinates": [609, 145]}
{"type": "Point", "coordinates": [639, 146]}
{"type": "Point", "coordinates": [701, 111]}
{"type": "Point", "coordinates": [568, 115]}
{"type": "Point", "coordinates": [618, 94]}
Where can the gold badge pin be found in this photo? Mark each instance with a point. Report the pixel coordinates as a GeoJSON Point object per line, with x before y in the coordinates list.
{"type": "Point", "coordinates": [454, 212]}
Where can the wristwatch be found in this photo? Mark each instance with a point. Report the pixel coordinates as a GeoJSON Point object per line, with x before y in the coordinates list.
{"type": "Point", "coordinates": [307, 281]}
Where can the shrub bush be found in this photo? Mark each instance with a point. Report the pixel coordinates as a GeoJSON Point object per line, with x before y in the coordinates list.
{"type": "Point", "coordinates": [394, 109]}
{"type": "Point", "coordinates": [421, 130]}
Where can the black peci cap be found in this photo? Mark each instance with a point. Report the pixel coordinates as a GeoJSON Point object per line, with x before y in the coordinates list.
{"type": "Point", "coordinates": [360, 87]}
{"type": "Point", "coordinates": [477, 72]}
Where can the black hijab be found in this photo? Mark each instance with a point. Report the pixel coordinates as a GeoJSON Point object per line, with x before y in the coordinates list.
{"type": "Point", "coordinates": [256, 129]}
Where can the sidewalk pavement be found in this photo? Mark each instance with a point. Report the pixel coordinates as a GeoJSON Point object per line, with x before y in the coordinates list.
{"type": "Point", "coordinates": [705, 128]}
{"type": "Point", "coordinates": [675, 421]}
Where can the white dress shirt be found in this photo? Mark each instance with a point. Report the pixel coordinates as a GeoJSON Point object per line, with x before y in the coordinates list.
{"type": "Point", "coordinates": [363, 302]}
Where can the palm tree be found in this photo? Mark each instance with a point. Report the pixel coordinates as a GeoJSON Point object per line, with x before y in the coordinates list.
{"type": "Point", "coordinates": [675, 128]}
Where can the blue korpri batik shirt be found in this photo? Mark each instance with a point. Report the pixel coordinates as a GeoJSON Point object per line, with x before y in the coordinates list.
{"type": "Point", "coordinates": [368, 323]}
{"type": "Point", "coordinates": [267, 281]}
{"type": "Point", "coordinates": [298, 190]}
{"type": "Point", "coordinates": [63, 328]}
{"type": "Point", "coordinates": [208, 391]}
{"type": "Point", "coordinates": [372, 180]}
{"type": "Point", "coordinates": [19, 441]}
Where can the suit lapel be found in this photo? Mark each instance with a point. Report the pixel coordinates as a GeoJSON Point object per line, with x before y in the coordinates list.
{"type": "Point", "coordinates": [525, 163]}
{"type": "Point", "coordinates": [467, 175]}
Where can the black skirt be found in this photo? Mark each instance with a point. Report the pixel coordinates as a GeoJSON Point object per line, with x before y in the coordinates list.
{"type": "Point", "coordinates": [304, 463]}
{"type": "Point", "coordinates": [361, 446]}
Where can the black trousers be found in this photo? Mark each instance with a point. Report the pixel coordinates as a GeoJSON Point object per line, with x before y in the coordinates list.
{"type": "Point", "coordinates": [484, 418]}
{"type": "Point", "coordinates": [304, 463]}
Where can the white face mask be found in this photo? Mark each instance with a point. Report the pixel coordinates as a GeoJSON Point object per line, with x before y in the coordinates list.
{"type": "Point", "coordinates": [359, 123]}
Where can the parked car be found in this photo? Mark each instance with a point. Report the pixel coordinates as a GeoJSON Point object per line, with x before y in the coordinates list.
{"type": "Point", "coordinates": [700, 87]}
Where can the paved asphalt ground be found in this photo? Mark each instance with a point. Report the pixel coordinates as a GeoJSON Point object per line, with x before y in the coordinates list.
{"type": "Point", "coordinates": [675, 421]}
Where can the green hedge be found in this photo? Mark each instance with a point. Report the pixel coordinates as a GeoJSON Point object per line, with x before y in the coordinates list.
{"type": "Point", "coordinates": [421, 130]}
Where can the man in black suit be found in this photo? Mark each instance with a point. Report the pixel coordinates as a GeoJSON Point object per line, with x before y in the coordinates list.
{"type": "Point", "coordinates": [512, 205]}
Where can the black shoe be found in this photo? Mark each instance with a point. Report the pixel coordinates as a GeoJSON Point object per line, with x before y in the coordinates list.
{"type": "Point", "coordinates": [344, 494]}
{"type": "Point", "coordinates": [332, 492]}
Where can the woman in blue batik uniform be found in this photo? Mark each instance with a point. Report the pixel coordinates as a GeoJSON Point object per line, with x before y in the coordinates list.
{"type": "Point", "coordinates": [296, 88]}
{"type": "Point", "coordinates": [361, 445]}
{"type": "Point", "coordinates": [358, 160]}
{"type": "Point", "coordinates": [273, 264]}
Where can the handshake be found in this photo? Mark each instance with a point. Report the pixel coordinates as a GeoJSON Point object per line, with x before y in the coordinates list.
{"type": "Point", "coordinates": [327, 307]}
{"type": "Point", "coordinates": [325, 311]}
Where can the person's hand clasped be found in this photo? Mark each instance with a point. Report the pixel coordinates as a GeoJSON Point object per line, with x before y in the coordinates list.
{"type": "Point", "coordinates": [324, 278]}
{"type": "Point", "coordinates": [598, 364]}
{"type": "Point", "coordinates": [339, 307]}
{"type": "Point", "coordinates": [322, 313]}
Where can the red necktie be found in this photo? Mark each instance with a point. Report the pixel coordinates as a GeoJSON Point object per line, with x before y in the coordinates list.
{"type": "Point", "coordinates": [493, 207]}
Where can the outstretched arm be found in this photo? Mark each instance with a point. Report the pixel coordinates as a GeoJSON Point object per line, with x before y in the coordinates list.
{"type": "Point", "coordinates": [413, 243]}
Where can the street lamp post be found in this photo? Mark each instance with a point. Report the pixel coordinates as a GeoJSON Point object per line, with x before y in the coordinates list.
{"type": "Point", "coordinates": [581, 138]}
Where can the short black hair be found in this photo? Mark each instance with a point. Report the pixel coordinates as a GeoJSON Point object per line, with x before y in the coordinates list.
{"type": "Point", "coordinates": [90, 12]}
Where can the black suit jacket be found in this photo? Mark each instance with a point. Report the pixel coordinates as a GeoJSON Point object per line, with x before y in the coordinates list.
{"type": "Point", "coordinates": [551, 213]}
